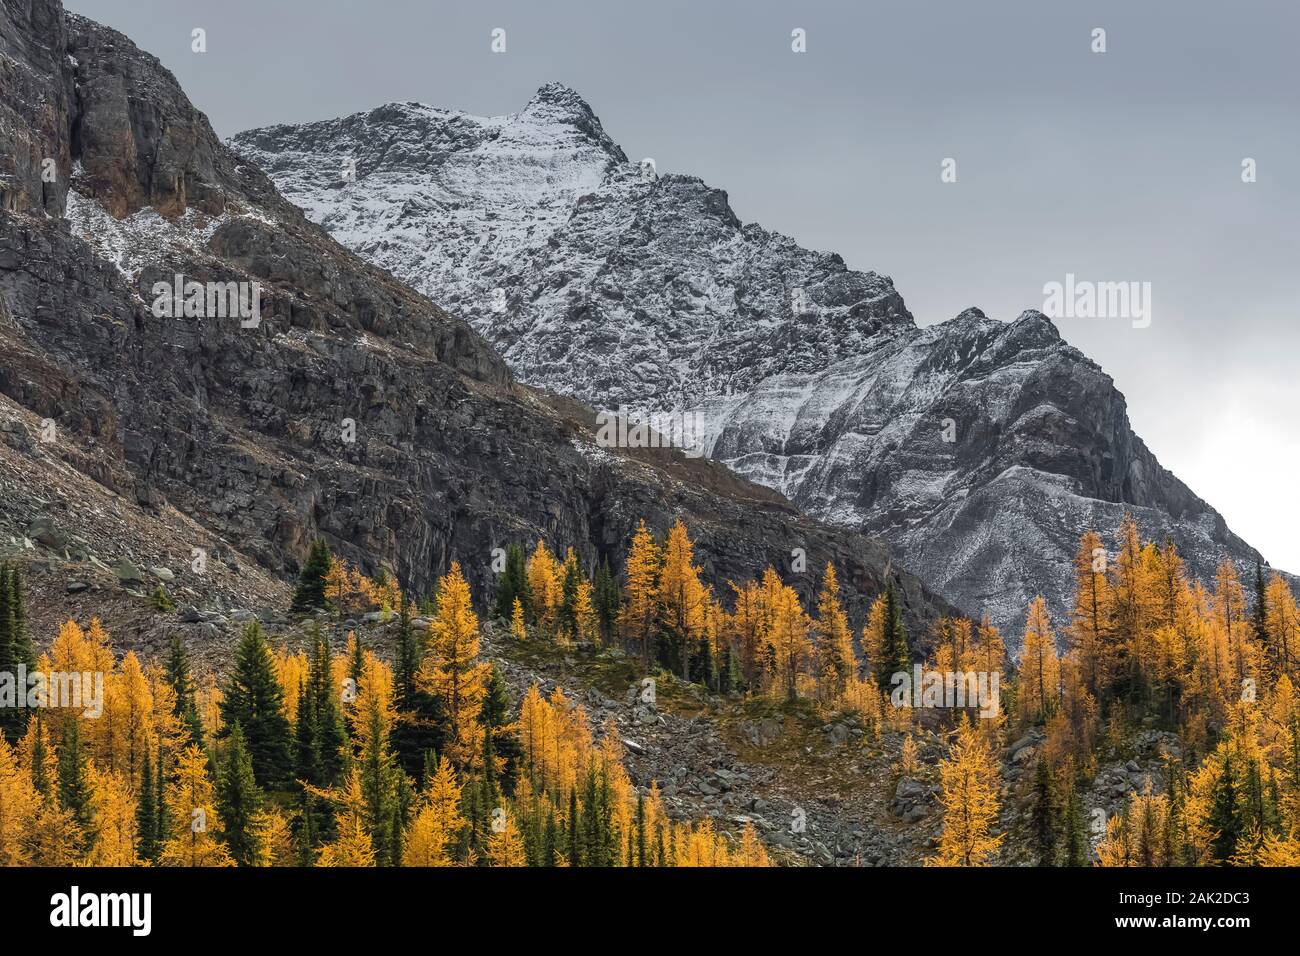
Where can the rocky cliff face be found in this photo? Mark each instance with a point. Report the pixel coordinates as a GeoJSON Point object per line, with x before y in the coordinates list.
{"type": "Point", "coordinates": [240, 433]}
{"type": "Point", "coordinates": [979, 449]}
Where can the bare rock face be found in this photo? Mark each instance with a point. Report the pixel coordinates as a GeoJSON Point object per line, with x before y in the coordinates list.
{"type": "Point", "coordinates": [356, 409]}
{"type": "Point", "coordinates": [34, 112]}
{"type": "Point", "coordinates": [140, 141]}
{"type": "Point", "coordinates": [980, 449]}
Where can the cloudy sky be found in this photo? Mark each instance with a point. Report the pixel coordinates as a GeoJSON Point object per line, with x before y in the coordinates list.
{"type": "Point", "coordinates": [1116, 166]}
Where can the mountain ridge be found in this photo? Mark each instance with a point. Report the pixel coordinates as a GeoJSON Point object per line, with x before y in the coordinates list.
{"type": "Point", "coordinates": [626, 288]}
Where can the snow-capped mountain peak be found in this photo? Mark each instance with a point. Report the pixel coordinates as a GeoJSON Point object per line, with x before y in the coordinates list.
{"type": "Point", "coordinates": [979, 449]}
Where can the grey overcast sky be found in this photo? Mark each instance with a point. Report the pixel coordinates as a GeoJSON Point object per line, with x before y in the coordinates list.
{"type": "Point", "coordinates": [1116, 166]}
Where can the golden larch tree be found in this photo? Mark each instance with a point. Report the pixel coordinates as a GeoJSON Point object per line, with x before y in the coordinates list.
{"type": "Point", "coordinates": [354, 846]}
{"type": "Point", "coordinates": [837, 663]}
{"type": "Point", "coordinates": [18, 805]}
{"type": "Point", "coordinates": [639, 612]}
{"type": "Point", "coordinates": [506, 845]}
{"type": "Point", "coordinates": [114, 812]}
{"type": "Point", "coordinates": [1092, 609]}
{"type": "Point", "coordinates": [969, 798]}
{"type": "Point", "coordinates": [451, 668]}
{"type": "Point", "coordinates": [681, 596]}
{"type": "Point", "coordinates": [192, 814]}
{"type": "Point", "coordinates": [437, 821]}
{"type": "Point", "coordinates": [1039, 666]}
{"type": "Point", "coordinates": [545, 587]}
{"type": "Point", "coordinates": [788, 638]}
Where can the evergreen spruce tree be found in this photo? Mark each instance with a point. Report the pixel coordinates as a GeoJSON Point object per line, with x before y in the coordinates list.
{"type": "Point", "coordinates": [379, 786]}
{"type": "Point", "coordinates": [146, 816]}
{"type": "Point", "coordinates": [729, 673]}
{"type": "Point", "coordinates": [1173, 848]}
{"type": "Point", "coordinates": [573, 834]}
{"type": "Point", "coordinates": [895, 648]}
{"type": "Point", "coordinates": [573, 578]}
{"type": "Point", "coordinates": [605, 599]}
{"type": "Point", "coordinates": [330, 734]}
{"type": "Point", "coordinates": [1076, 838]}
{"type": "Point", "coordinates": [357, 664]}
{"type": "Point", "coordinates": [255, 701]}
{"type": "Point", "coordinates": [491, 793]}
{"type": "Point", "coordinates": [513, 584]}
{"type": "Point", "coordinates": [15, 650]}
{"type": "Point", "coordinates": [474, 834]}
{"type": "Point", "coordinates": [238, 799]}
{"type": "Point", "coordinates": [307, 839]}
{"type": "Point", "coordinates": [407, 663]}
{"type": "Point", "coordinates": [589, 821]}
{"type": "Point", "coordinates": [162, 822]}
{"type": "Point", "coordinates": [704, 665]}
{"type": "Point", "coordinates": [74, 788]}
{"type": "Point", "coordinates": [1272, 822]}
{"type": "Point", "coordinates": [420, 722]}
{"type": "Point", "coordinates": [1044, 817]}
{"type": "Point", "coordinates": [310, 592]}
{"type": "Point", "coordinates": [600, 834]}
{"type": "Point", "coordinates": [397, 822]}
{"type": "Point", "coordinates": [306, 758]}
{"type": "Point", "coordinates": [20, 640]}
{"type": "Point", "coordinates": [1258, 809]}
{"type": "Point", "coordinates": [495, 715]}
{"type": "Point", "coordinates": [550, 843]}
{"type": "Point", "coordinates": [318, 736]}
{"type": "Point", "coordinates": [176, 672]}
{"type": "Point", "coordinates": [1259, 612]}
{"type": "Point", "coordinates": [1225, 817]}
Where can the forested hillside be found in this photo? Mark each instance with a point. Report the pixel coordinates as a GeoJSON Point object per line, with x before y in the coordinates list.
{"type": "Point", "coordinates": [372, 730]}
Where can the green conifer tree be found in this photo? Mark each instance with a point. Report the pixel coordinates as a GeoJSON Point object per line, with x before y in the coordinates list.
{"type": "Point", "coordinates": [1076, 838]}
{"type": "Point", "coordinates": [495, 715]}
{"type": "Point", "coordinates": [605, 599]}
{"type": "Point", "coordinates": [146, 813]}
{"type": "Point", "coordinates": [1224, 817]}
{"type": "Point", "coordinates": [896, 649]}
{"type": "Point", "coordinates": [238, 799]}
{"type": "Point", "coordinates": [255, 701]}
{"type": "Point", "coordinates": [310, 592]}
{"type": "Point", "coordinates": [513, 584]}
{"type": "Point", "coordinates": [74, 787]}
{"type": "Point", "coordinates": [1044, 817]}
{"type": "Point", "coordinates": [176, 672]}
{"type": "Point", "coordinates": [1259, 610]}
{"type": "Point", "coordinates": [573, 579]}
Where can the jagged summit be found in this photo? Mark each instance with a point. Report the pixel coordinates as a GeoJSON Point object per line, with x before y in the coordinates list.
{"type": "Point", "coordinates": [561, 95]}
{"type": "Point", "coordinates": [666, 295]}
{"type": "Point", "coordinates": [980, 449]}
{"type": "Point", "coordinates": [558, 104]}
